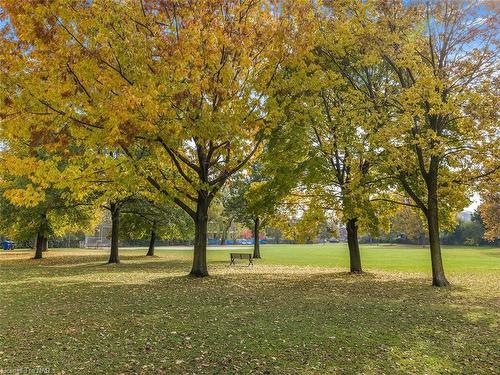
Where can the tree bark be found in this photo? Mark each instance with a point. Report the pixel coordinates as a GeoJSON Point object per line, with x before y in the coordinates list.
{"type": "Point", "coordinates": [353, 244]}
{"type": "Point", "coordinates": [115, 230]}
{"type": "Point", "coordinates": [256, 237]}
{"type": "Point", "coordinates": [152, 240]}
{"type": "Point", "coordinates": [40, 236]}
{"type": "Point", "coordinates": [200, 218]}
{"type": "Point", "coordinates": [45, 243]}
{"type": "Point", "coordinates": [39, 246]}
{"type": "Point", "coordinates": [438, 276]}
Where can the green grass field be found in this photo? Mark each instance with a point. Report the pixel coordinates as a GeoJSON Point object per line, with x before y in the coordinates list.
{"type": "Point", "coordinates": [296, 312]}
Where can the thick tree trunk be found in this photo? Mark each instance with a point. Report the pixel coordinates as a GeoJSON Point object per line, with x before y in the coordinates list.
{"type": "Point", "coordinates": [200, 268]}
{"type": "Point", "coordinates": [45, 244]}
{"type": "Point", "coordinates": [152, 240]}
{"type": "Point", "coordinates": [38, 246]}
{"type": "Point", "coordinates": [353, 244]}
{"type": "Point", "coordinates": [256, 237]}
{"type": "Point", "coordinates": [438, 276]}
{"type": "Point", "coordinates": [115, 230]}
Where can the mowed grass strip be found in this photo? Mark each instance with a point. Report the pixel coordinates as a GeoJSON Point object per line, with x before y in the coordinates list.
{"type": "Point", "coordinates": [72, 313]}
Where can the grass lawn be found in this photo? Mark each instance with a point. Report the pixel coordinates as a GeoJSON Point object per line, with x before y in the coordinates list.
{"type": "Point", "coordinates": [295, 312]}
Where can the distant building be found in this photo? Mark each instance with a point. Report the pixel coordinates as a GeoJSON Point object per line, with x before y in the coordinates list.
{"type": "Point", "coordinates": [101, 236]}
{"type": "Point", "coordinates": [215, 232]}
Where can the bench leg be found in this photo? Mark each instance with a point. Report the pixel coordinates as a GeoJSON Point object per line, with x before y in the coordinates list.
{"type": "Point", "coordinates": [232, 262]}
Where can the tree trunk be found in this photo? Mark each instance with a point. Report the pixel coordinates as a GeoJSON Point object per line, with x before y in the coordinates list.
{"type": "Point", "coordinates": [115, 230]}
{"type": "Point", "coordinates": [256, 237]}
{"type": "Point", "coordinates": [45, 244]}
{"type": "Point", "coordinates": [152, 240]}
{"type": "Point", "coordinates": [223, 239]}
{"type": "Point", "coordinates": [438, 276]}
{"type": "Point", "coordinates": [225, 230]}
{"type": "Point", "coordinates": [353, 244]}
{"type": "Point", "coordinates": [40, 236]}
{"type": "Point", "coordinates": [38, 246]}
{"type": "Point", "coordinates": [200, 268]}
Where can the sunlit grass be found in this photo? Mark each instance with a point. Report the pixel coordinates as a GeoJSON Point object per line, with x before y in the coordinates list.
{"type": "Point", "coordinates": [297, 311]}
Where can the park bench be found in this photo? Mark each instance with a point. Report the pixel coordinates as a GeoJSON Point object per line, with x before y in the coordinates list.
{"type": "Point", "coordinates": [235, 256]}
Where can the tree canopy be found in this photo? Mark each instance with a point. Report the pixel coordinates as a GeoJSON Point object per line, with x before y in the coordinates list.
{"type": "Point", "coordinates": [346, 107]}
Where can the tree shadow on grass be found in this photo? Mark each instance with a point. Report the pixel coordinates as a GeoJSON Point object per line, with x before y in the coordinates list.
{"type": "Point", "coordinates": [58, 266]}
{"type": "Point", "coordinates": [79, 267]}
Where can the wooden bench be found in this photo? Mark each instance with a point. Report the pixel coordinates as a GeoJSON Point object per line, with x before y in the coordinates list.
{"type": "Point", "coordinates": [235, 256]}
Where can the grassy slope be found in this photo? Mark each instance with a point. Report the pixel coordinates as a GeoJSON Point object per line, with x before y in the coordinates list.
{"type": "Point", "coordinates": [72, 313]}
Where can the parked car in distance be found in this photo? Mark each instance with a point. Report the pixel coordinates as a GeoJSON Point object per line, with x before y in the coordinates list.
{"type": "Point", "coordinates": [8, 245]}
